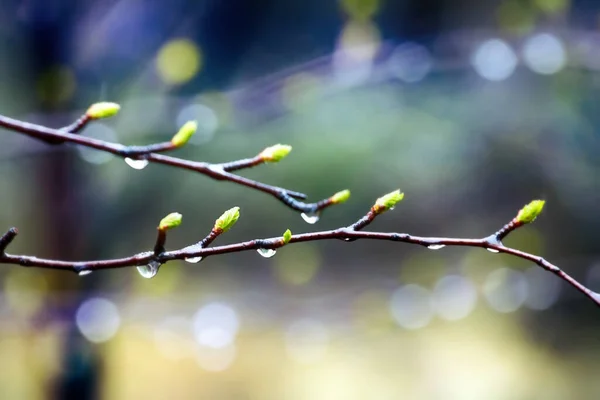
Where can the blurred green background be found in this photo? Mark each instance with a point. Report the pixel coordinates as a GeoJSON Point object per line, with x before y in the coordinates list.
{"type": "Point", "coordinates": [472, 108]}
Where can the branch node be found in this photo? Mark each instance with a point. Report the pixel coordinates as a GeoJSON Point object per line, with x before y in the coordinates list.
{"type": "Point", "coordinates": [7, 238]}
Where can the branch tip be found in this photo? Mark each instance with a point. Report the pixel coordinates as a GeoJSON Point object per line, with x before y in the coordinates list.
{"type": "Point", "coordinates": [388, 201]}
{"type": "Point", "coordinates": [287, 236]}
{"type": "Point", "coordinates": [227, 220]}
{"type": "Point", "coordinates": [7, 238]}
{"type": "Point", "coordinates": [530, 212]}
{"type": "Point", "coordinates": [172, 220]}
{"type": "Point", "coordinates": [103, 110]}
{"type": "Point", "coordinates": [185, 133]}
{"type": "Point", "coordinates": [275, 153]}
{"type": "Point", "coordinates": [340, 197]}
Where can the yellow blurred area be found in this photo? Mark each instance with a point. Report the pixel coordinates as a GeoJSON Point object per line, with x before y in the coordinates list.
{"type": "Point", "coordinates": [56, 85]}
{"type": "Point", "coordinates": [424, 268]}
{"type": "Point", "coordinates": [360, 39]}
{"type": "Point", "coordinates": [178, 61]}
{"type": "Point", "coordinates": [25, 291]}
{"type": "Point", "coordinates": [372, 314]}
{"type": "Point", "coordinates": [360, 9]}
{"type": "Point", "coordinates": [471, 360]}
{"type": "Point", "coordinates": [552, 6]}
{"type": "Point", "coordinates": [170, 275]}
{"type": "Point", "coordinates": [516, 17]}
{"type": "Point", "coordinates": [297, 265]}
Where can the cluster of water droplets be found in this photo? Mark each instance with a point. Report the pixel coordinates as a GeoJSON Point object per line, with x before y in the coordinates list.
{"type": "Point", "coordinates": [310, 217]}
{"type": "Point", "coordinates": [150, 270]}
{"type": "Point", "coordinates": [267, 253]}
{"type": "Point", "coordinates": [136, 164]}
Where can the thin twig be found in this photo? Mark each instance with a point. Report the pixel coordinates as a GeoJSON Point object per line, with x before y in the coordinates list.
{"type": "Point", "coordinates": [69, 134]}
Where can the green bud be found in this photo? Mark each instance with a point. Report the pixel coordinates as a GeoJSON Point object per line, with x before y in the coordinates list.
{"type": "Point", "coordinates": [103, 110]}
{"type": "Point", "coordinates": [388, 201]}
{"type": "Point", "coordinates": [227, 220]}
{"type": "Point", "coordinates": [340, 197]}
{"type": "Point", "coordinates": [530, 212]}
{"type": "Point", "coordinates": [172, 220]}
{"type": "Point", "coordinates": [185, 133]}
{"type": "Point", "coordinates": [287, 236]}
{"type": "Point", "coordinates": [275, 153]}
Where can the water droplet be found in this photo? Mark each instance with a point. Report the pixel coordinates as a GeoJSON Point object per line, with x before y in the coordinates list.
{"type": "Point", "coordinates": [493, 250]}
{"type": "Point", "coordinates": [311, 217]}
{"type": "Point", "coordinates": [84, 273]}
{"type": "Point", "coordinates": [150, 270]}
{"type": "Point", "coordinates": [436, 246]}
{"type": "Point", "coordinates": [392, 208]}
{"type": "Point", "coordinates": [266, 253]}
{"type": "Point", "coordinates": [193, 260]}
{"type": "Point", "coordinates": [136, 164]}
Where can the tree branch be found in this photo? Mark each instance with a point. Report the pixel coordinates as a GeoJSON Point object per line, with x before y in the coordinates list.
{"type": "Point", "coordinates": [149, 154]}
{"type": "Point", "coordinates": [200, 250]}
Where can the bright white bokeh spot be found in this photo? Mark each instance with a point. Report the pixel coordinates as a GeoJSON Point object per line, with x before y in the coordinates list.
{"type": "Point", "coordinates": [411, 306]}
{"type": "Point", "coordinates": [172, 338]}
{"type": "Point", "coordinates": [207, 120]}
{"type": "Point", "coordinates": [494, 60]}
{"type": "Point", "coordinates": [454, 297]}
{"type": "Point", "coordinates": [98, 319]}
{"type": "Point", "coordinates": [544, 288]}
{"type": "Point", "coordinates": [410, 62]}
{"type": "Point", "coordinates": [544, 53]}
{"type": "Point", "coordinates": [215, 325]}
{"type": "Point", "coordinates": [216, 359]}
{"type": "Point", "coordinates": [102, 132]}
{"type": "Point", "coordinates": [306, 341]}
{"type": "Point", "coordinates": [505, 290]}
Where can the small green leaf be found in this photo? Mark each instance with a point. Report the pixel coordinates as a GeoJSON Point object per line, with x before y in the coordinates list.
{"type": "Point", "coordinates": [275, 153]}
{"type": "Point", "coordinates": [172, 220]}
{"type": "Point", "coordinates": [103, 110]}
{"type": "Point", "coordinates": [530, 212]}
{"type": "Point", "coordinates": [340, 197]}
{"type": "Point", "coordinates": [227, 220]}
{"type": "Point", "coordinates": [185, 133]}
{"type": "Point", "coordinates": [388, 201]}
{"type": "Point", "coordinates": [287, 236]}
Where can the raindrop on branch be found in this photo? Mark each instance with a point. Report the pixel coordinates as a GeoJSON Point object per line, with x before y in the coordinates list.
{"type": "Point", "coordinates": [492, 250]}
{"type": "Point", "coordinates": [311, 217]}
{"type": "Point", "coordinates": [136, 164]}
{"type": "Point", "coordinates": [150, 270]}
{"type": "Point", "coordinates": [84, 273]}
{"type": "Point", "coordinates": [193, 260]}
{"type": "Point", "coordinates": [266, 253]}
{"type": "Point", "coordinates": [436, 246]}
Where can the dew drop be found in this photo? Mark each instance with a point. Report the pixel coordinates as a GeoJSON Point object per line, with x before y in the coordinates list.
{"type": "Point", "coordinates": [136, 164]}
{"type": "Point", "coordinates": [266, 253]}
{"type": "Point", "coordinates": [436, 246]}
{"type": "Point", "coordinates": [311, 217]}
{"type": "Point", "coordinates": [150, 270]}
{"type": "Point", "coordinates": [193, 260]}
{"type": "Point", "coordinates": [84, 273]}
{"type": "Point", "coordinates": [493, 250]}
